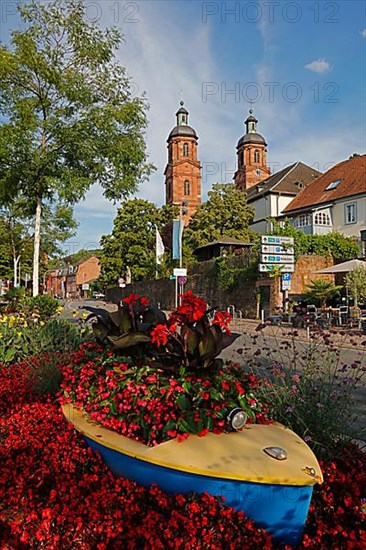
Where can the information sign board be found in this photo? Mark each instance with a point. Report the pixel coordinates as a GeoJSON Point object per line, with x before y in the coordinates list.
{"type": "Point", "coordinates": [180, 272]}
{"type": "Point", "coordinates": [277, 259]}
{"type": "Point", "coordinates": [276, 249]}
{"type": "Point", "coordinates": [273, 239]}
{"type": "Point", "coordinates": [267, 268]}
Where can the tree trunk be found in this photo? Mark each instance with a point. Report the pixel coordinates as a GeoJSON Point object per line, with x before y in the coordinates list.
{"type": "Point", "coordinates": [16, 262]}
{"type": "Point", "coordinates": [37, 242]}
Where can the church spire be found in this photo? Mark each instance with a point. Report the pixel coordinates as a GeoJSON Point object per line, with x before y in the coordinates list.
{"type": "Point", "coordinates": [251, 152]}
{"type": "Point", "coordinates": [251, 123]}
{"type": "Point", "coordinates": [183, 170]}
{"type": "Point", "coordinates": [182, 115]}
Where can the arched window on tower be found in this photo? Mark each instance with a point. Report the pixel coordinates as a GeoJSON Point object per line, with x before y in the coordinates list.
{"type": "Point", "coordinates": [186, 187]}
{"type": "Point", "coordinates": [256, 156]}
{"type": "Point", "coordinates": [185, 149]}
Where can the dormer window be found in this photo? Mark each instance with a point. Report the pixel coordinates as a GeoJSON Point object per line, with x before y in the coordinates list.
{"type": "Point", "coordinates": [333, 185]}
{"type": "Point", "coordinates": [185, 149]}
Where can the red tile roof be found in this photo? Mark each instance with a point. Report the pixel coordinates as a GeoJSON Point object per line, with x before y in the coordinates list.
{"type": "Point", "coordinates": [351, 172]}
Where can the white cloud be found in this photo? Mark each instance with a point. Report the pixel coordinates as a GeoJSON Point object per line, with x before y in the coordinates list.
{"type": "Point", "coordinates": [363, 33]}
{"type": "Point", "coordinates": [318, 66]}
{"type": "Point", "coordinates": [163, 56]}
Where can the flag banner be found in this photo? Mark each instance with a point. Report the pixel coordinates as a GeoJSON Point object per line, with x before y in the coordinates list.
{"type": "Point", "coordinates": [177, 239]}
{"type": "Point", "coordinates": [159, 247]}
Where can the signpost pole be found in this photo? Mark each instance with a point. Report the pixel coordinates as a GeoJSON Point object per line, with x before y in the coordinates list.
{"type": "Point", "coordinates": [285, 301]}
{"type": "Point", "coordinates": [176, 292]}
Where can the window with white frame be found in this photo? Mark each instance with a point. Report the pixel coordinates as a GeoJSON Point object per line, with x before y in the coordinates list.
{"type": "Point", "coordinates": [302, 221]}
{"type": "Point", "coordinates": [186, 187]}
{"type": "Point", "coordinates": [321, 218]}
{"type": "Point", "coordinates": [350, 213]}
{"type": "Point", "coordinates": [185, 149]}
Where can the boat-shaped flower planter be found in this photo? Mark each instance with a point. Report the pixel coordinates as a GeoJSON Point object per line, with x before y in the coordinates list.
{"type": "Point", "coordinates": [267, 471]}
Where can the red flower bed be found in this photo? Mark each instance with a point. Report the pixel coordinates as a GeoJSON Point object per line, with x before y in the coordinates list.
{"type": "Point", "coordinates": [150, 405]}
{"type": "Point", "coordinates": [56, 493]}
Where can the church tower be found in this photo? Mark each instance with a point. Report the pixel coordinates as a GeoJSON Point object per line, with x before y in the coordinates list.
{"type": "Point", "coordinates": [183, 171]}
{"type": "Point", "coordinates": [251, 152]}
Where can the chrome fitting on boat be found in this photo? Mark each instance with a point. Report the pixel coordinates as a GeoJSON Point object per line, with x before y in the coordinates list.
{"type": "Point", "coordinates": [276, 452]}
{"type": "Point", "coordinates": [237, 419]}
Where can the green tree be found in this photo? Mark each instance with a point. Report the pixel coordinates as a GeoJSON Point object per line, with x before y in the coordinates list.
{"type": "Point", "coordinates": [356, 283]}
{"type": "Point", "coordinates": [69, 118]}
{"type": "Point", "coordinates": [16, 230]}
{"type": "Point", "coordinates": [15, 246]}
{"type": "Point", "coordinates": [132, 242]}
{"type": "Point", "coordinates": [226, 213]}
{"type": "Point", "coordinates": [320, 291]}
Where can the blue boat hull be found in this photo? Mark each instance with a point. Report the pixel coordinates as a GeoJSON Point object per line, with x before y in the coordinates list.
{"type": "Point", "coordinates": [281, 509]}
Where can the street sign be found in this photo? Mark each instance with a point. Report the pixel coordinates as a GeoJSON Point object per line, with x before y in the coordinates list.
{"type": "Point", "coordinates": [276, 249]}
{"type": "Point", "coordinates": [267, 268]}
{"type": "Point", "coordinates": [85, 286]}
{"type": "Point", "coordinates": [280, 259]}
{"type": "Point", "coordinates": [286, 281]}
{"type": "Point", "coordinates": [180, 272]}
{"type": "Point", "coordinates": [273, 239]}
{"type": "Point", "coordinates": [182, 280]}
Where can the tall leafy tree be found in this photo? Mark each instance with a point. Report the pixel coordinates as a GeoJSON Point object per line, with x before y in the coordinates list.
{"type": "Point", "coordinates": [15, 246]}
{"type": "Point", "coordinates": [16, 237]}
{"type": "Point", "coordinates": [132, 242]}
{"type": "Point", "coordinates": [226, 213]}
{"type": "Point", "coordinates": [69, 118]}
{"type": "Point", "coordinates": [356, 284]}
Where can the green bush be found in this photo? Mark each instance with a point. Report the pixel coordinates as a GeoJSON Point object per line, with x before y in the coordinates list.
{"type": "Point", "coordinates": [59, 335]}
{"type": "Point", "coordinates": [43, 305]}
{"type": "Point", "coordinates": [14, 298]}
{"type": "Point", "coordinates": [21, 337]}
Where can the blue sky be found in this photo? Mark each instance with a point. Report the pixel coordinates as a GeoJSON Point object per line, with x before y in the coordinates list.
{"type": "Point", "coordinates": [302, 63]}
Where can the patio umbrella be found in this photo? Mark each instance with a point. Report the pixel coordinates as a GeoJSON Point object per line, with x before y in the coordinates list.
{"type": "Point", "coordinates": [344, 267]}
